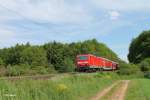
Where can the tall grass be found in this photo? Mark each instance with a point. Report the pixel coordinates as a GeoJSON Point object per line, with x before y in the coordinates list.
{"type": "Point", "coordinates": [139, 89]}
{"type": "Point", "coordinates": [74, 87]}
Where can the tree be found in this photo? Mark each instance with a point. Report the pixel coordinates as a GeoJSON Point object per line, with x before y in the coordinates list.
{"type": "Point", "coordinates": [12, 55]}
{"type": "Point", "coordinates": [99, 49]}
{"type": "Point", "coordinates": [55, 54]}
{"type": "Point", "coordinates": [35, 56]}
{"type": "Point", "coordinates": [139, 48]}
{"type": "Point", "coordinates": [61, 56]}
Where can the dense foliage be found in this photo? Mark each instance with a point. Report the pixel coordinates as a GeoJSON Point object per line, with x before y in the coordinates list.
{"type": "Point", "coordinates": [129, 69]}
{"type": "Point", "coordinates": [145, 65]}
{"type": "Point", "coordinates": [49, 57]}
{"type": "Point", "coordinates": [140, 48]}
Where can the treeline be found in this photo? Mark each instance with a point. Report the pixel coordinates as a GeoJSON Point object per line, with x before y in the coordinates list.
{"type": "Point", "coordinates": [140, 48]}
{"type": "Point", "coordinates": [51, 57]}
{"type": "Point", "coordinates": [139, 56]}
{"type": "Point", "coordinates": [139, 51]}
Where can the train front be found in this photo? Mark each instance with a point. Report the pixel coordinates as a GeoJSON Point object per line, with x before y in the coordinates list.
{"type": "Point", "coordinates": [82, 63]}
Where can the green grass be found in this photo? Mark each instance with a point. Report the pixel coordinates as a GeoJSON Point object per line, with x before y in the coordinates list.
{"type": "Point", "coordinates": [110, 93]}
{"type": "Point", "coordinates": [74, 87]}
{"type": "Point", "coordinates": [139, 89]}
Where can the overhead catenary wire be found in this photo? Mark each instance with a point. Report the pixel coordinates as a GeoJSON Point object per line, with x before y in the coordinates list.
{"type": "Point", "coordinates": [24, 17]}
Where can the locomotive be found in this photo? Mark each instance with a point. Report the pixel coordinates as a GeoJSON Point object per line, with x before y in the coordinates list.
{"type": "Point", "coordinates": [89, 62]}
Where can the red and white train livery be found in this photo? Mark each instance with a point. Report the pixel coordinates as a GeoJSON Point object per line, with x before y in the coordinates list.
{"type": "Point", "coordinates": [89, 62]}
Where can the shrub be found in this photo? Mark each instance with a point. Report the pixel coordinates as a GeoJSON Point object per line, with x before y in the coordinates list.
{"type": "Point", "coordinates": [2, 71]}
{"type": "Point", "coordinates": [1, 62]}
{"type": "Point", "coordinates": [145, 65]}
{"type": "Point", "coordinates": [24, 69]}
{"type": "Point", "coordinates": [68, 66]}
{"type": "Point", "coordinates": [51, 68]}
{"type": "Point", "coordinates": [16, 70]}
{"type": "Point", "coordinates": [147, 75]}
{"type": "Point", "coordinates": [128, 69]}
{"type": "Point", "coordinates": [41, 70]}
{"type": "Point", "coordinates": [34, 56]}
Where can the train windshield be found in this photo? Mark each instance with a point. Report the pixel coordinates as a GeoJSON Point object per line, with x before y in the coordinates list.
{"type": "Point", "coordinates": [83, 57]}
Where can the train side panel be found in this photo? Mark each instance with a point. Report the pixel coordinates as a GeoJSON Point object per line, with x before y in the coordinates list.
{"type": "Point", "coordinates": [90, 62]}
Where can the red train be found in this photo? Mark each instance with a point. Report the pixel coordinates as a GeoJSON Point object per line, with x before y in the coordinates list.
{"type": "Point", "coordinates": [89, 62]}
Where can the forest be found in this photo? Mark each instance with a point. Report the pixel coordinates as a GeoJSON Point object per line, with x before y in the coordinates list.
{"type": "Point", "coordinates": [52, 57]}
{"type": "Point", "coordinates": [57, 57]}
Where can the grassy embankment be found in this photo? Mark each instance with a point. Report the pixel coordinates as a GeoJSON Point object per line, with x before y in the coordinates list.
{"type": "Point", "coordinates": [139, 89]}
{"type": "Point", "coordinates": [110, 93]}
{"type": "Point", "coordinates": [74, 87]}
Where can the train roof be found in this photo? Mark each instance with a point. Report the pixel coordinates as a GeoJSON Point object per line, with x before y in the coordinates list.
{"type": "Point", "coordinates": [97, 56]}
{"type": "Point", "coordinates": [85, 55]}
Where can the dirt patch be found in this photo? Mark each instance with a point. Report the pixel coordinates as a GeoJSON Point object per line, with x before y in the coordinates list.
{"type": "Point", "coordinates": [104, 92]}
{"type": "Point", "coordinates": [118, 94]}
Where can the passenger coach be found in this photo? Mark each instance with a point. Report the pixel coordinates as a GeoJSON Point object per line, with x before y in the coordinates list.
{"type": "Point", "coordinates": [89, 62]}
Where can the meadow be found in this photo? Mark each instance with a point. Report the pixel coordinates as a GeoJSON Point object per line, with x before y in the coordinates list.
{"type": "Point", "coordinates": [73, 87]}
{"type": "Point", "coordinates": [139, 89]}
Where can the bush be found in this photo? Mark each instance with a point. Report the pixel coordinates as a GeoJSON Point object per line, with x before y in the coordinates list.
{"type": "Point", "coordinates": [147, 75]}
{"type": "Point", "coordinates": [41, 70]}
{"type": "Point", "coordinates": [51, 68]}
{"type": "Point", "coordinates": [34, 56]}
{"type": "Point", "coordinates": [68, 66]}
{"type": "Point", "coordinates": [1, 62]}
{"type": "Point", "coordinates": [16, 70]}
{"type": "Point", "coordinates": [23, 69]}
{"type": "Point", "coordinates": [128, 69]}
{"type": "Point", "coordinates": [145, 65]}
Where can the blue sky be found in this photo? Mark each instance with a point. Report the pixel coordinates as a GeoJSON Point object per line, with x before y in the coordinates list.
{"type": "Point", "coordinates": [113, 22]}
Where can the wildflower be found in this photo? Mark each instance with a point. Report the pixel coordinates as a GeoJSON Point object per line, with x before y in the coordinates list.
{"type": "Point", "coordinates": [108, 76]}
{"type": "Point", "coordinates": [10, 95]}
{"type": "Point", "coordinates": [62, 88]}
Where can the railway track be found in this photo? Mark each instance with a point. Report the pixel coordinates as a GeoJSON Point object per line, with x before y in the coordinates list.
{"type": "Point", "coordinates": [34, 77]}
{"type": "Point", "coordinates": [38, 77]}
{"type": "Point", "coordinates": [45, 77]}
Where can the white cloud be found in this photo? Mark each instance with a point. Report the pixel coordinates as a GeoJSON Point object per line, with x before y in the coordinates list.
{"type": "Point", "coordinates": [55, 11]}
{"type": "Point", "coordinates": [29, 11]}
{"type": "Point", "coordinates": [114, 15]}
{"type": "Point", "coordinates": [16, 25]}
{"type": "Point", "coordinates": [6, 34]}
{"type": "Point", "coordinates": [6, 15]}
{"type": "Point", "coordinates": [6, 37]}
{"type": "Point", "coordinates": [123, 5]}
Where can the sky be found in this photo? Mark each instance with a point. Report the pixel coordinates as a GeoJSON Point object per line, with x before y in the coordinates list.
{"type": "Point", "coordinates": [113, 22]}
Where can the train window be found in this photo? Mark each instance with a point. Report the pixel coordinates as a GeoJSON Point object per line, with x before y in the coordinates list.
{"type": "Point", "coordinates": [83, 58]}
